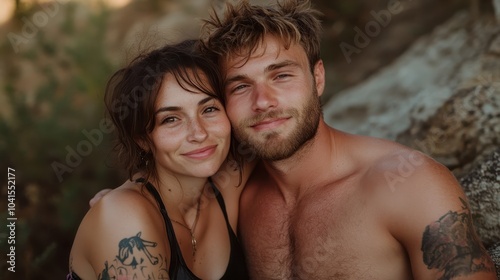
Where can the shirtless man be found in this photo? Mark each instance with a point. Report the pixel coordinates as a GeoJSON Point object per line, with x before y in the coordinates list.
{"type": "Point", "coordinates": [325, 204]}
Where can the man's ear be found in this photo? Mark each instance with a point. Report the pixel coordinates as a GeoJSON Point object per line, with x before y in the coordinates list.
{"type": "Point", "coordinates": [319, 76]}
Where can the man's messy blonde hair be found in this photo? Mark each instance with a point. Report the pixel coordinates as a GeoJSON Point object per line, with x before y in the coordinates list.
{"type": "Point", "coordinates": [244, 26]}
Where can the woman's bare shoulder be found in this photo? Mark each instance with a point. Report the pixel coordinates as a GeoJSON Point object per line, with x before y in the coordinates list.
{"type": "Point", "coordinates": [123, 217]}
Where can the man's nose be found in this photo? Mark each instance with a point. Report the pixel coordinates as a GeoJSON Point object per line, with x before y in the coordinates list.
{"type": "Point", "coordinates": [264, 98]}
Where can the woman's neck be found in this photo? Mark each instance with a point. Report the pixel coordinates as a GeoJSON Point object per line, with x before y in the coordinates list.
{"type": "Point", "coordinates": [181, 194]}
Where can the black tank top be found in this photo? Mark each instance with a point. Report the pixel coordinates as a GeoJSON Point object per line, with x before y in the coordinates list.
{"type": "Point", "coordinates": [178, 270]}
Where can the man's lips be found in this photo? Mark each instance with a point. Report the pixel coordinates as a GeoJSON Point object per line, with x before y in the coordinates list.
{"type": "Point", "coordinates": [269, 123]}
{"type": "Point", "coordinates": [201, 153]}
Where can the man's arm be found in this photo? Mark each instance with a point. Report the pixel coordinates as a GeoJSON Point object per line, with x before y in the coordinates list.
{"type": "Point", "coordinates": [98, 196]}
{"type": "Point", "coordinates": [431, 218]}
{"type": "Point", "coordinates": [450, 245]}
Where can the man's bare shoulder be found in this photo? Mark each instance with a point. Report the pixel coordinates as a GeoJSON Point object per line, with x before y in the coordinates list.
{"type": "Point", "coordinates": [421, 204]}
{"type": "Point", "coordinates": [397, 178]}
{"type": "Point", "coordinates": [390, 165]}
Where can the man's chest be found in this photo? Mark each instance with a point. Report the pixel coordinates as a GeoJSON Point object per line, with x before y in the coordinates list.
{"type": "Point", "coordinates": [319, 238]}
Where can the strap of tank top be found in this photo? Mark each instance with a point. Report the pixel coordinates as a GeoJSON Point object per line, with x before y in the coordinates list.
{"type": "Point", "coordinates": [222, 205]}
{"type": "Point", "coordinates": [176, 258]}
{"type": "Point", "coordinates": [236, 266]}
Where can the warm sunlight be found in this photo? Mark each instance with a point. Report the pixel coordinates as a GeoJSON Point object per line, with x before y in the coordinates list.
{"type": "Point", "coordinates": [7, 6]}
{"type": "Point", "coordinates": [6, 10]}
{"type": "Point", "coordinates": [118, 3]}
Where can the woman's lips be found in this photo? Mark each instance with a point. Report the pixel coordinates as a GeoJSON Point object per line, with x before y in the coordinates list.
{"type": "Point", "coordinates": [201, 153]}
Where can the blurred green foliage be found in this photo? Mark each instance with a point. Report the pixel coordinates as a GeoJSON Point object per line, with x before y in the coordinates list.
{"type": "Point", "coordinates": [41, 129]}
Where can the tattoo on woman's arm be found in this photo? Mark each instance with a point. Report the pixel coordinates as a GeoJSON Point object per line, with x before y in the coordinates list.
{"type": "Point", "coordinates": [451, 245]}
{"type": "Point", "coordinates": [133, 257]}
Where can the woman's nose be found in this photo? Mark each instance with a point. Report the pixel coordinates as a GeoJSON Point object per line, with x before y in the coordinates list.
{"type": "Point", "coordinates": [197, 131]}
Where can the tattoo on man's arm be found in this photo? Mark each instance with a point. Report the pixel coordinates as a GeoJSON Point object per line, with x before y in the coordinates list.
{"type": "Point", "coordinates": [451, 245]}
{"type": "Point", "coordinates": [132, 259]}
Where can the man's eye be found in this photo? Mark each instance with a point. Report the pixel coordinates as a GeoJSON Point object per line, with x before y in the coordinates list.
{"type": "Point", "coordinates": [239, 88]}
{"type": "Point", "coordinates": [282, 76]}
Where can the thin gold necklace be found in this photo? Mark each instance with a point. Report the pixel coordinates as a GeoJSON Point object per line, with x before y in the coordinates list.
{"type": "Point", "coordinates": [191, 231]}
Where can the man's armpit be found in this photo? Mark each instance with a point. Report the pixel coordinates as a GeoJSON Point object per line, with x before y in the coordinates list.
{"type": "Point", "coordinates": [134, 260]}
{"type": "Point", "coordinates": [451, 246]}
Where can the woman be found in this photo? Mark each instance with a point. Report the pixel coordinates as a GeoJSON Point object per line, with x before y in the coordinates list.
{"type": "Point", "coordinates": [170, 220]}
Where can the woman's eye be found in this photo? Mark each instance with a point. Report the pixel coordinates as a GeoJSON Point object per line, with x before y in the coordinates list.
{"type": "Point", "coordinates": [169, 120]}
{"type": "Point", "coordinates": [211, 109]}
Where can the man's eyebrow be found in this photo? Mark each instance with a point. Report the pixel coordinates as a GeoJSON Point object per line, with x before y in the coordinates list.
{"type": "Point", "coordinates": [177, 108]}
{"type": "Point", "coordinates": [235, 79]}
{"type": "Point", "coordinates": [285, 63]}
{"type": "Point", "coordinates": [269, 68]}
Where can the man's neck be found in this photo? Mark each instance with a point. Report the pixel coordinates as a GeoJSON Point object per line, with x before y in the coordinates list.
{"type": "Point", "coordinates": [309, 167]}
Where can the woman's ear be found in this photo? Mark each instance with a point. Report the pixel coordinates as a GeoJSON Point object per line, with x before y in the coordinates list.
{"type": "Point", "coordinates": [146, 151]}
{"type": "Point", "coordinates": [143, 144]}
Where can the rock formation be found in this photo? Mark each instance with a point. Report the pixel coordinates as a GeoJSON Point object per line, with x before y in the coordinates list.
{"type": "Point", "coordinates": [442, 97]}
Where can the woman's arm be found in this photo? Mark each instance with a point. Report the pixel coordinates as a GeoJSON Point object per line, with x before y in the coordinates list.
{"type": "Point", "coordinates": [121, 236]}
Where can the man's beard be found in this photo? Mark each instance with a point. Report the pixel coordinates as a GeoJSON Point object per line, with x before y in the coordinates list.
{"type": "Point", "coordinates": [274, 147]}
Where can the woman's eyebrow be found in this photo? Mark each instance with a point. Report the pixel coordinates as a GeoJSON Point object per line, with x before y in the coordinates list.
{"type": "Point", "coordinates": [177, 108]}
{"type": "Point", "coordinates": [168, 109]}
{"type": "Point", "coordinates": [205, 100]}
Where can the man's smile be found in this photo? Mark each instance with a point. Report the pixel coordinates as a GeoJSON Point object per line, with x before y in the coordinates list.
{"type": "Point", "coordinates": [269, 123]}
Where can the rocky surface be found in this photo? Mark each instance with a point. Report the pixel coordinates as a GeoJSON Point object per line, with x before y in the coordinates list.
{"type": "Point", "coordinates": [442, 96]}
{"type": "Point", "coordinates": [468, 123]}
{"type": "Point", "coordinates": [482, 187]}
{"type": "Point", "coordinates": [418, 83]}
{"type": "Point", "coordinates": [495, 255]}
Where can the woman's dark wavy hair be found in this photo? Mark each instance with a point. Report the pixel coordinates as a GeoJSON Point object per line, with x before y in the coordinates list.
{"type": "Point", "coordinates": [132, 91]}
